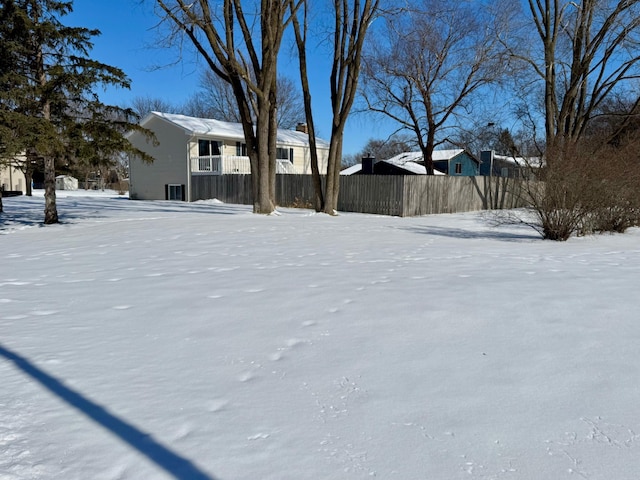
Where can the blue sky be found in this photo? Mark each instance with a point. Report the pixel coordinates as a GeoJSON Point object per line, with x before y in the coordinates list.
{"type": "Point", "coordinates": [129, 41]}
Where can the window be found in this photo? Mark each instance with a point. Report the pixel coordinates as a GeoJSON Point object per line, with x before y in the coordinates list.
{"type": "Point", "coordinates": [241, 149]}
{"type": "Point", "coordinates": [458, 168]}
{"type": "Point", "coordinates": [284, 154]}
{"type": "Point", "coordinates": [174, 192]}
{"type": "Point", "coordinates": [208, 148]}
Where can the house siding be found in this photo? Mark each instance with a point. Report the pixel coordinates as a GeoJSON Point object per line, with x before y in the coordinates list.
{"type": "Point", "coordinates": [147, 181]}
{"type": "Point", "coordinates": [12, 179]}
{"type": "Point", "coordinates": [178, 145]}
{"type": "Point", "coordinates": [470, 166]}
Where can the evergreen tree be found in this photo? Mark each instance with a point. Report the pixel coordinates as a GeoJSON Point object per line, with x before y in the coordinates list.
{"type": "Point", "coordinates": [48, 107]}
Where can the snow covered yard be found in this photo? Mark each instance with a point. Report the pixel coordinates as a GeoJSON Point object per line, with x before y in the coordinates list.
{"type": "Point", "coordinates": [151, 340]}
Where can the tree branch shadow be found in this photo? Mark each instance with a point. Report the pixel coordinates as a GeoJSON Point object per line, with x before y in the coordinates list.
{"type": "Point", "coordinates": [174, 464]}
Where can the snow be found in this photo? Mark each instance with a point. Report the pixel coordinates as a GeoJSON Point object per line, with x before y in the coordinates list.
{"type": "Point", "coordinates": [233, 131]}
{"type": "Point", "coordinates": [171, 340]}
{"type": "Point", "coordinates": [520, 161]}
{"type": "Point", "coordinates": [408, 161]}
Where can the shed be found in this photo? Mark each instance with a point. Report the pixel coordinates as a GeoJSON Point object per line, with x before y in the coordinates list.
{"type": "Point", "coordinates": [66, 182]}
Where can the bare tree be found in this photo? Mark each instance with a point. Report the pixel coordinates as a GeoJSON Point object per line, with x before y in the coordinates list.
{"type": "Point", "coordinates": [589, 51]}
{"type": "Point", "coordinates": [145, 104]}
{"type": "Point", "coordinates": [352, 19]}
{"type": "Point", "coordinates": [242, 49]}
{"type": "Point", "coordinates": [382, 149]}
{"type": "Point", "coordinates": [215, 99]}
{"type": "Point", "coordinates": [433, 59]}
{"type": "Point", "coordinates": [584, 58]}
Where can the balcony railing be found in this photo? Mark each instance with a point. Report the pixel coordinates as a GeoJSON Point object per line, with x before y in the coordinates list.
{"type": "Point", "coordinates": [229, 164]}
{"type": "Point", "coordinates": [219, 164]}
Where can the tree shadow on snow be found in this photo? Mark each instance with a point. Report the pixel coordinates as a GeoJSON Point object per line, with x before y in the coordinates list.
{"type": "Point", "coordinates": [485, 234]}
{"type": "Point", "coordinates": [172, 463]}
{"type": "Point", "coordinates": [29, 211]}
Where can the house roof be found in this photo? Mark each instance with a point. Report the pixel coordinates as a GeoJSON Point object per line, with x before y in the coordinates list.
{"type": "Point", "coordinates": [439, 155]}
{"type": "Point", "coordinates": [406, 161]}
{"type": "Point", "coordinates": [352, 169]}
{"type": "Point", "coordinates": [233, 131]}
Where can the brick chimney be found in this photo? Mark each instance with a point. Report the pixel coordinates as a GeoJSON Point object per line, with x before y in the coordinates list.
{"type": "Point", "coordinates": [302, 127]}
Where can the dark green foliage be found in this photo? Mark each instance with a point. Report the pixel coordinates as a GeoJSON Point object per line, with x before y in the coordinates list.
{"type": "Point", "coordinates": [48, 104]}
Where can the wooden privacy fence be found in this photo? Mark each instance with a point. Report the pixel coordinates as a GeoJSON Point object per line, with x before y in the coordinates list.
{"type": "Point", "coordinates": [397, 195]}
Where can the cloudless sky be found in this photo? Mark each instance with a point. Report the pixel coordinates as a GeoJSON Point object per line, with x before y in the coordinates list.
{"type": "Point", "coordinates": [130, 41]}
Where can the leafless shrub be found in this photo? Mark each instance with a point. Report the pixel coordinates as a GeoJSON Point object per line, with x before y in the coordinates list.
{"type": "Point", "coordinates": [585, 191]}
{"type": "Point", "coordinates": [614, 199]}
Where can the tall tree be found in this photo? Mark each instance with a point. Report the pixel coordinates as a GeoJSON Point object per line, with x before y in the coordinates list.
{"type": "Point", "coordinates": [587, 51]}
{"type": "Point", "coordinates": [48, 107]}
{"type": "Point", "coordinates": [225, 36]}
{"type": "Point", "coordinates": [435, 56]}
{"type": "Point", "coordinates": [351, 21]}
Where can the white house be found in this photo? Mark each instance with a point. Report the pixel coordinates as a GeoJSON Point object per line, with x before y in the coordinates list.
{"type": "Point", "coordinates": [11, 177]}
{"type": "Point", "coordinates": [510, 166]}
{"type": "Point", "coordinates": [189, 146]}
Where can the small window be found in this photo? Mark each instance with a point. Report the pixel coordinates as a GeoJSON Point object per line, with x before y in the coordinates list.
{"type": "Point", "coordinates": [458, 168]}
{"type": "Point", "coordinates": [175, 192]}
{"type": "Point", "coordinates": [284, 154]}
{"type": "Point", "coordinates": [241, 149]}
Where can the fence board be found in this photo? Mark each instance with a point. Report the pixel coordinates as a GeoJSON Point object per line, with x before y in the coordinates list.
{"type": "Point", "coordinates": [397, 195]}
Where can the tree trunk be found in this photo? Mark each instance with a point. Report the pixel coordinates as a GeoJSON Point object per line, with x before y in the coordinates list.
{"type": "Point", "coordinates": [1, 208]}
{"type": "Point", "coordinates": [262, 201]}
{"type": "Point", "coordinates": [50, 210]}
{"type": "Point", "coordinates": [273, 139]}
{"type": "Point", "coordinates": [318, 198]}
{"type": "Point", "coordinates": [333, 174]}
{"type": "Point", "coordinates": [28, 176]}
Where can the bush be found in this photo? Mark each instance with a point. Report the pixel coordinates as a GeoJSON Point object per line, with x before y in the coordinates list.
{"type": "Point", "coordinates": [585, 191]}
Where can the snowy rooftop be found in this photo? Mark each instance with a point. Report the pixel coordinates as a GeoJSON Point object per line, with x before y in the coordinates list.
{"type": "Point", "coordinates": [520, 161]}
{"type": "Point", "coordinates": [409, 161]}
{"type": "Point", "coordinates": [233, 131]}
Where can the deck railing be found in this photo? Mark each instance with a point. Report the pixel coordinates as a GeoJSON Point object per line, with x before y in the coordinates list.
{"type": "Point", "coordinates": [220, 164]}
{"type": "Point", "coordinates": [228, 164]}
